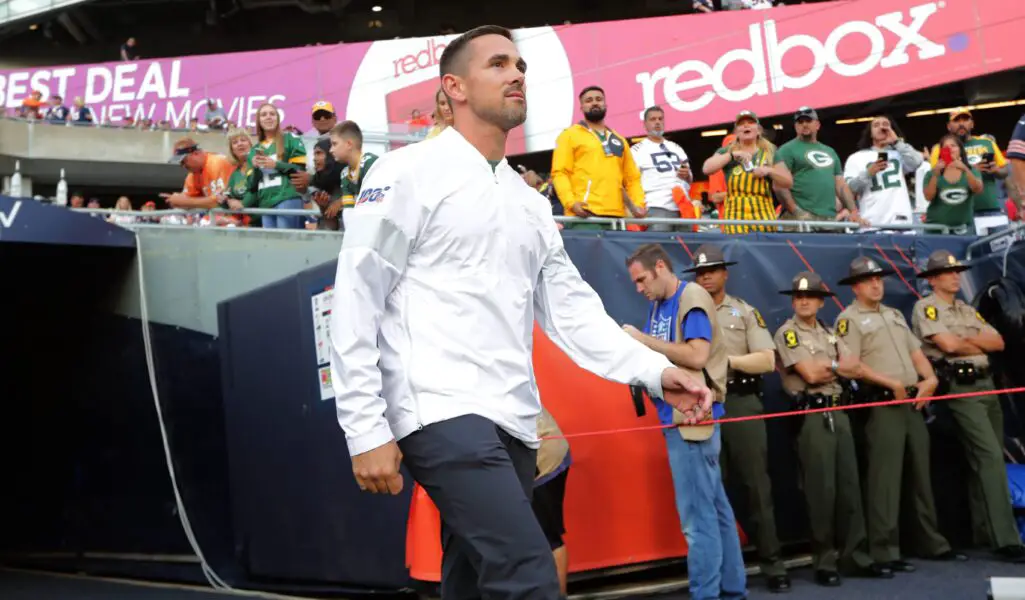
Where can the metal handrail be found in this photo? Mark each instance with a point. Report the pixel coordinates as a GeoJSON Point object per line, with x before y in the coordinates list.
{"type": "Point", "coordinates": [617, 223]}
{"type": "Point", "coordinates": [804, 226]}
{"type": "Point", "coordinates": [1013, 229]}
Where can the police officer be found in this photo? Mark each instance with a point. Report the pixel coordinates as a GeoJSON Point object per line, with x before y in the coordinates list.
{"type": "Point", "coordinates": [812, 368]}
{"type": "Point", "coordinates": [956, 338]}
{"type": "Point", "coordinates": [744, 445]}
{"type": "Point", "coordinates": [893, 367]}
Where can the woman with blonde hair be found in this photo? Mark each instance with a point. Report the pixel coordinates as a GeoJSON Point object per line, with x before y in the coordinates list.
{"type": "Point", "coordinates": [751, 168]}
{"type": "Point", "coordinates": [123, 203]}
{"type": "Point", "coordinates": [239, 146]}
{"type": "Point", "coordinates": [442, 114]}
{"type": "Point", "coordinates": [276, 155]}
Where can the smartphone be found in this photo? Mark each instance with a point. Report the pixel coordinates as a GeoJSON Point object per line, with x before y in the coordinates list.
{"type": "Point", "coordinates": [989, 157]}
{"type": "Point", "coordinates": [883, 157]}
{"type": "Point", "coordinates": [945, 156]}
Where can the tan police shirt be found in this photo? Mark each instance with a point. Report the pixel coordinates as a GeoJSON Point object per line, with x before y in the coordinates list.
{"type": "Point", "coordinates": [552, 452]}
{"type": "Point", "coordinates": [933, 315]}
{"type": "Point", "coordinates": [695, 296]}
{"type": "Point", "coordinates": [743, 328]}
{"type": "Point", "coordinates": [797, 342]}
{"type": "Point", "coordinates": [882, 340]}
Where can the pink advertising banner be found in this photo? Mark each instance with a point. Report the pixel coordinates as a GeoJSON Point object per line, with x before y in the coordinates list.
{"type": "Point", "coordinates": [702, 69]}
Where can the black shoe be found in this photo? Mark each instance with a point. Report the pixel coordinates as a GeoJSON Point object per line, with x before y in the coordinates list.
{"type": "Point", "coordinates": [875, 571]}
{"type": "Point", "coordinates": [1011, 554]}
{"type": "Point", "coordinates": [901, 566]}
{"type": "Point", "coordinates": [779, 584]}
{"type": "Point", "coordinates": [949, 555]}
{"type": "Point", "coordinates": [827, 578]}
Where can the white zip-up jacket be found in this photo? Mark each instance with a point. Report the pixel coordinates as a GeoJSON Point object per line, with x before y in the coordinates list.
{"type": "Point", "coordinates": [444, 267]}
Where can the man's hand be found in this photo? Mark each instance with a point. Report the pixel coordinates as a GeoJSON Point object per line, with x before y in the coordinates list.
{"type": "Point", "coordinates": [899, 391]}
{"type": "Point", "coordinates": [333, 209]}
{"type": "Point", "coordinates": [926, 388]}
{"type": "Point", "coordinates": [234, 204]}
{"type": "Point", "coordinates": [300, 181]}
{"type": "Point", "coordinates": [638, 212]}
{"type": "Point", "coordinates": [377, 470]}
{"type": "Point", "coordinates": [762, 171]}
{"type": "Point", "coordinates": [581, 209]}
{"type": "Point", "coordinates": [322, 199]}
{"type": "Point", "coordinates": [175, 199]}
{"type": "Point", "coordinates": [634, 332]}
{"type": "Point", "coordinates": [876, 167]}
{"type": "Point", "coordinates": [686, 394]}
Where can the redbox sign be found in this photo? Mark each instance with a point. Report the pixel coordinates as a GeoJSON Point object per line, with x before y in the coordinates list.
{"type": "Point", "coordinates": [702, 69]}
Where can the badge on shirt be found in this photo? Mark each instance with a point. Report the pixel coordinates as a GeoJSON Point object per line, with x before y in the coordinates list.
{"type": "Point", "coordinates": [758, 318]}
{"type": "Point", "coordinates": [841, 327]}
{"type": "Point", "coordinates": [930, 312]}
{"type": "Point", "coordinates": [790, 337]}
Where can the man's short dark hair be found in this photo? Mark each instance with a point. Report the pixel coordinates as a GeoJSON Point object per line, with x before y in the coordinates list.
{"type": "Point", "coordinates": [590, 88]}
{"type": "Point", "coordinates": [653, 109]}
{"type": "Point", "coordinates": [348, 129]}
{"type": "Point", "coordinates": [648, 255]}
{"type": "Point", "coordinates": [453, 55]}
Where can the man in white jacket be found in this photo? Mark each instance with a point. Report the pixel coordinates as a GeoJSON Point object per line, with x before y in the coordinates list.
{"type": "Point", "coordinates": [449, 259]}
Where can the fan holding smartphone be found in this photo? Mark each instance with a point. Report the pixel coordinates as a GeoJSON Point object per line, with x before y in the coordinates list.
{"type": "Point", "coordinates": [950, 187]}
{"type": "Point", "coordinates": [875, 173]}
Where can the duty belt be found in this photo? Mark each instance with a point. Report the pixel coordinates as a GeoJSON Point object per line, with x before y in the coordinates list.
{"type": "Point", "coordinates": [873, 393]}
{"type": "Point", "coordinates": [744, 385]}
{"type": "Point", "coordinates": [966, 373]}
{"type": "Point", "coordinates": [805, 401]}
{"type": "Point", "coordinates": [812, 401]}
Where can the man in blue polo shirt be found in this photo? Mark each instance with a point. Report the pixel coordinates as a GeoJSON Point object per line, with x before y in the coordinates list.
{"type": "Point", "coordinates": [682, 326]}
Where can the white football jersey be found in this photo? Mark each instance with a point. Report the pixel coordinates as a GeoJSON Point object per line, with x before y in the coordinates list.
{"type": "Point", "coordinates": [887, 201]}
{"type": "Point", "coordinates": [658, 163]}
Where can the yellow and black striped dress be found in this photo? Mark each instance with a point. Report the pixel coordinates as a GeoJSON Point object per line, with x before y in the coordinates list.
{"type": "Point", "coordinates": [747, 196]}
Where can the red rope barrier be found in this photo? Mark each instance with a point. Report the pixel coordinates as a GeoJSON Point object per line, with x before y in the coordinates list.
{"type": "Point", "coordinates": [906, 259]}
{"type": "Point", "coordinates": [896, 270]}
{"type": "Point", "coordinates": [685, 248]}
{"type": "Point", "coordinates": [792, 413]}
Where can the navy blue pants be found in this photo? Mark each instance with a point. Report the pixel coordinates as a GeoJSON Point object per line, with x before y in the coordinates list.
{"type": "Point", "coordinates": [481, 479]}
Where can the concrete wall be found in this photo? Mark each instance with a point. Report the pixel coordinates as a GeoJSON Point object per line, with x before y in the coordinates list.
{"type": "Point", "coordinates": [109, 155]}
{"type": "Point", "coordinates": [188, 271]}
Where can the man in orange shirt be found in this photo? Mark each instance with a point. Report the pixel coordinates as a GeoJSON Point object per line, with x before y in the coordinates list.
{"type": "Point", "coordinates": [207, 179]}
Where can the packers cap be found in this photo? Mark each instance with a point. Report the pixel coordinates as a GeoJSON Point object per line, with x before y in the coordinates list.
{"type": "Point", "coordinates": [959, 112]}
{"type": "Point", "coordinates": [942, 261]}
{"type": "Point", "coordinates": [323, 105]}
{"type": "Point", "coordinates": [745, 114]}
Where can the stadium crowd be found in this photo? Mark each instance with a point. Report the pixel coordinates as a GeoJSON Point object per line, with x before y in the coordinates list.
{"type": "Point", "coordinates": [958, 180]}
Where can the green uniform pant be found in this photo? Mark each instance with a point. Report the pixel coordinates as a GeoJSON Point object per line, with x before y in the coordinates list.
{"type": "Point", "coordinates": [745, 461]}
{"type": "Point", "coordinates": [897, 445]}
{"type": "Point", "coordinates": [988, 493]}
{"type": "Point", "coordinates": [829, 476]}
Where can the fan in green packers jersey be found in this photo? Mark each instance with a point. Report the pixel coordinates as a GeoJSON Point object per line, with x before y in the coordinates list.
{"type": "Point", "coordinates": [347, 148]}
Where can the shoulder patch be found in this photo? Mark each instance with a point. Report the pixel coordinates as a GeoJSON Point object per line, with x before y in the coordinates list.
{"type": "Point", "coordinates": [931, 313]}
{"type": "Point", "coordinates": [790, 337]}
{"type": "Point", "coordinates": [758, 318]}
{"type": "Point", "coordinates": [842, 327]}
